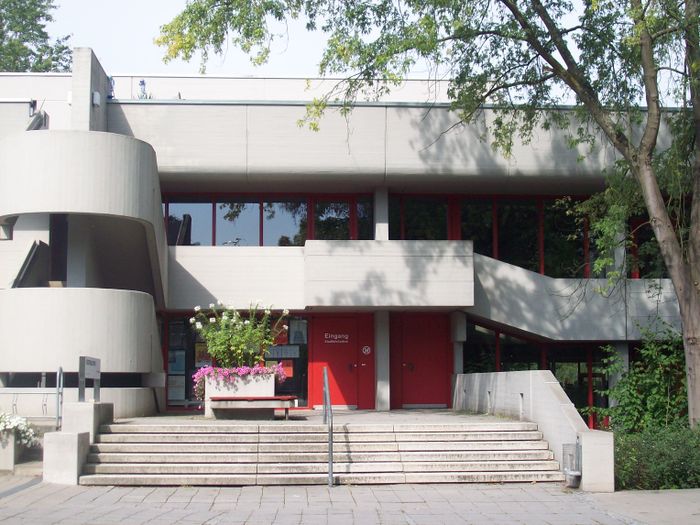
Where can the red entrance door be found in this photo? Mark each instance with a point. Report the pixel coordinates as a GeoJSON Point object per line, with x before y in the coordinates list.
{"type": "Point", "coordinates": [344, 345]}
{"type": "Point", "coordinates": [420, 351]}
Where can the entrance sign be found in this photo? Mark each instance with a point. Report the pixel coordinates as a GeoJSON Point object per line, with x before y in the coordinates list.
{"type": "Point", "coordinates": [88, 368]}
{"type": "Point", "coordinates": [331, 338]}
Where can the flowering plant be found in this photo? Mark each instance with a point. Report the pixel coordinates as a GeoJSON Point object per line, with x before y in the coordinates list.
{"type": "Point", "coordinates": [229, 375]}
{"type": "Point", "coordinates": [235, 341]}
{"type": "Point", "coordinates": [24, 433]}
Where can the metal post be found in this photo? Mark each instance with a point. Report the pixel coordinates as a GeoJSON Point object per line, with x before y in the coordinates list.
{"type": "Point", "coordinates": [328, 419]}
{"type": "Point", "coordinates": [59, 397]}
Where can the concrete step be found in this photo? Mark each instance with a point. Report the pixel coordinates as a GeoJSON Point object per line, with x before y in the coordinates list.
{"type": "Point", "coordinates": [318, 479]}
{"type": "Point", "coordinates": [305, 457]}
{"type": "Point", "coordinates": [289, 427]}
{"type": "Point", "coordinates": [340, 437]}
{"type": "Point", "coordinates": [316, 468]}
{"type": "Point", "coordinates": [235, 448]}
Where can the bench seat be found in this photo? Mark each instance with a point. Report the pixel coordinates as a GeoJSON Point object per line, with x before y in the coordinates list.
{"type": "Point", "coordinates": [255, 402]}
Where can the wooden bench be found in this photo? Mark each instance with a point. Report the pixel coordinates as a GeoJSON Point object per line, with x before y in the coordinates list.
{"type": "Point", "coordinates": [254, 403]}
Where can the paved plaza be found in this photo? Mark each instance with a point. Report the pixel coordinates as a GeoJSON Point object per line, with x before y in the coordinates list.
{"type": "Point", "coordinates": [27, 500]}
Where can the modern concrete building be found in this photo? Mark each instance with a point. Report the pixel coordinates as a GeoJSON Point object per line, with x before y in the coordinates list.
{"type": "Point", "coordinates": [405, 253]}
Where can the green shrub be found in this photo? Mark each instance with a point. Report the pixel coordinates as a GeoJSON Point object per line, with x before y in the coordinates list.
{"type": "Point", "coordinates": [658, 458]}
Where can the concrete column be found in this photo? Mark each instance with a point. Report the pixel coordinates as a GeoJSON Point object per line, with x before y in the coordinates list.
{"type": "Point", "coordinates": [64, 456]}
{"type": "Point", "coordinates": [381, 214]}
{"type": "Point", "coordinates": [89, 91]}
{"type": "Point", "coordinates": [381, 360]}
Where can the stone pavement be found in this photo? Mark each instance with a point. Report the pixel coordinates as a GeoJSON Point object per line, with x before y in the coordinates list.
{"type": "Point", "coordinates": [27, 500]}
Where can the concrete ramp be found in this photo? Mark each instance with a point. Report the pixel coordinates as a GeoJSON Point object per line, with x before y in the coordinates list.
{"type": "Point", "coordinates": [568, 309]}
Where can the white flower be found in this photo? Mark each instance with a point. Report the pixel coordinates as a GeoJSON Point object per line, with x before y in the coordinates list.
{"type": "Point", "coordinates": [211, 305]}
{"type": "Point", "coordinates": [246, 322]}
{"type": "Point", "coordinates": [284, 326]}
{"type": "Point", "coordinates": [192, 320]}
{"type": "Point", "coordinates": [285, 312]}
{"type": "Point", "coordinates": [267, 311]}
{"type": "Point", "coordinates": [212, 319]}
{"type": "Point", "coordinates": [197, 308]}
{"type": "Point", "coordinates": [198, 325]}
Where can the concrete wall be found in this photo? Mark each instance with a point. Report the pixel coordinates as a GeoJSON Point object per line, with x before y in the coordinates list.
{"type": "Point", "coordinates": [14, 116]}
{"type": "Point", "coordinates": [399, 274]}
{"type": "Point", "coordinates": [116, 326]}
{"type": "Point", "coordinates": [50, 90]}
{"type": "Point", "coordinates": [537, 396]}
{"type": "Point", "coordinates": [345, 274]}
{"type": "Point", "coordinates": [86, 173]}
{"type": "Point", "coordinates": [90, 87]}
{"type": "Point", "coordinates": [248, 146]}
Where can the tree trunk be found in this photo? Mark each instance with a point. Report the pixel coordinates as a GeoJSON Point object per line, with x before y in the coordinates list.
{"type": "Point", "coordinates": [691, 345]}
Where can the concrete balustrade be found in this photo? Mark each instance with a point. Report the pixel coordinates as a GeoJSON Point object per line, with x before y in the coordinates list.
{"type": "Point", "coordinates": [537, 396]}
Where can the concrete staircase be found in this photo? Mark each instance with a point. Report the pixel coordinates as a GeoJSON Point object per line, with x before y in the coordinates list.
{"type": "Point", "coordinates": [286, 454]}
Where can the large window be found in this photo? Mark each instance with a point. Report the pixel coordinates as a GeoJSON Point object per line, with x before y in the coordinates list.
{"type": "Point", "coordinates": [517, 234]}
{"type": "Point", "coordinates": [264, 221]}
{"type": "Point", "coordinates": [417, 218]}
{"type": "Point", "coordinates": [285, 223]}
{"type": "Point", "coordinates": [477, 224]}
{"type": "Point", "coordinates": [563, 243]}
{"type": "Point", "coordinates": [190, 223]}
{"type": "Point", "coordinates": [237, 223]}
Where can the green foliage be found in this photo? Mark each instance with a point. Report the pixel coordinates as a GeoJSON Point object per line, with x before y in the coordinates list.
{"type": "Point", "coordinates": [658, 458]}
{"type": "Point", "coordinates": [652, 394]}
{"type": "Point", "coordinates": [24, 43]}
{"type": "Point", "coordinates": [235, 341]}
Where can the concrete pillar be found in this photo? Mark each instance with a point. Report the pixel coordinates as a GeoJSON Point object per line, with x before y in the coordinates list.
{"type": "Point", "coordinates": [381, 214]}
{"type": "Point", "coordinates": [89, 89]}
{"type": "Point", "coordinates": [87, 417]}
{"type": "Point", "coordinates": [381, 360]}
{"type": "Point", "coordinates": [64, 456]}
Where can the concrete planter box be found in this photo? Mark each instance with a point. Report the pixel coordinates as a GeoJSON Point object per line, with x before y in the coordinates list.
{"type": "Point", "coordinates": [262, 385]}
{"type": "Point", "coordinates": [10, 451]}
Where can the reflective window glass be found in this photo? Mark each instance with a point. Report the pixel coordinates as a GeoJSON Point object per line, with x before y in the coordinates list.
{"type": "Point", "coordinates": [189, 223]}
{"type": "Point", "coordinates": [332, 220]}
{"type": "Point", "coordinates": [517, 234]}
{"type": "Point", "coordinates": [285, 223]}
{"type": "Point", "coordinates": [425, 218]}
{"type": "Point", "coordinates": [479, 350]}
{"type": "Point", "coordinates": [477, 225]}
{"type": "Point", "coordinates": [563, 243]}
{"type": "Point", "coordinates": [365, 219]}
{"type": "Point", "coordinates": [518, 354]}
{"type": "Point", "coordinates": [238, 223]}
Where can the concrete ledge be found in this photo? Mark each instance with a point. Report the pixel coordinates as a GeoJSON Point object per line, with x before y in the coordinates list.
{"type": "Point", "coordinates": [87, 417]}
{"type": "Point", "coordinates": [64, 456]}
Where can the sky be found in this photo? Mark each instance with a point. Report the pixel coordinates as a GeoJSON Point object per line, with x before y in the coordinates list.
{"type": "Point", "coordinates": [121, 34]}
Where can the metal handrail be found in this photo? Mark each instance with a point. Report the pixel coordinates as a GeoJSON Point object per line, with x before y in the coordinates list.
{"type": "Point", "coordinates": [59, 398]}
{"type": "Point", "coordinates": [328, 420]}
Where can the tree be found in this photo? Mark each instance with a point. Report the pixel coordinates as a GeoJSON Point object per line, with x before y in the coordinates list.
{"type": "Point", "coordinates": [24, 43]}
{"type": "Point", "coordinates": [620, 63]}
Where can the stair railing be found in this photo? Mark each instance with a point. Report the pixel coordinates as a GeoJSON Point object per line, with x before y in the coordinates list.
{"type": "Point", "coordinates": [328, 420]}
{"type": "Point", "coordinates": [59, 398]}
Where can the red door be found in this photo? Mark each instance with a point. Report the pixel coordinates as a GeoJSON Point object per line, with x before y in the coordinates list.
{"type": "Point", "coordinates": [420, 355]}
{"type": "Point", "coordinates": [344, 345]}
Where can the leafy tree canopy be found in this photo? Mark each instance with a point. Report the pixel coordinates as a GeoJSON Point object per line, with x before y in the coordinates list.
{"type": "Point", "coordinates": [24, 43]}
